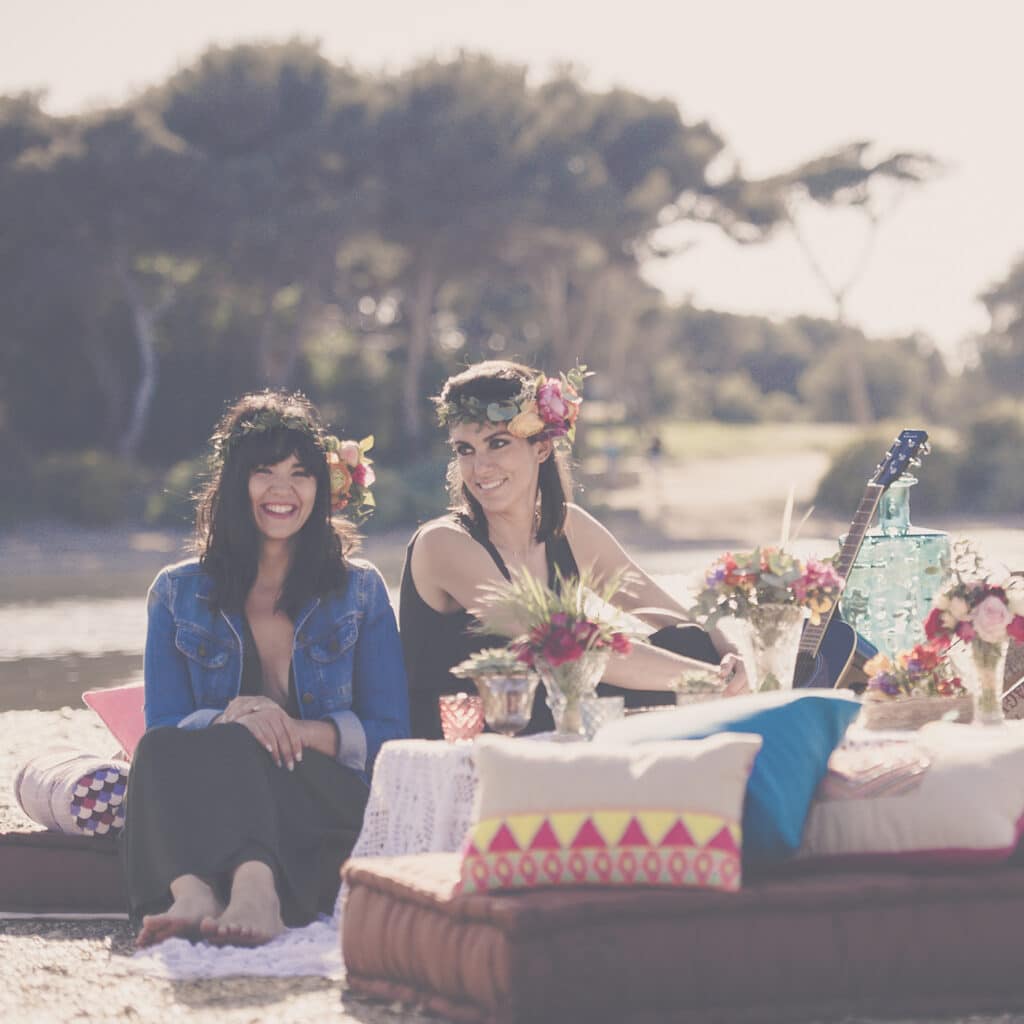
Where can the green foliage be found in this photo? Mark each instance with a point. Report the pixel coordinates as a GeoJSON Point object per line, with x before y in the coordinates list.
{"type": "Point", "coordinates": [90, 488]}
{"type": "Point", "coordinates": [172, 500]}
{"type": "Point", "coordinates": [983, 474]}
{"type": "Point", "coordinates": [407, 495]}
{"type": "Point", "coordinates": [992, 473]}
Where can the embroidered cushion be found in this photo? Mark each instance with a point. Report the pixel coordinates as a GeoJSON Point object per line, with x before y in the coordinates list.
{"type": "Point", "coordinates": [962, 803]}
{"type": "Point", "coordinates": [571, 814]}
{"type": "Point", "coordinates": [800, 730]}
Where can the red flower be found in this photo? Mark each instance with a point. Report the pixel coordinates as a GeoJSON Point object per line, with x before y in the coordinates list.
{"type": "Point", "coordinates": [926, 656]}
{"type": "Point", "coordinates": [621, 644]}
{"type": "Point", "coordinates": [965, 631]}
{"type": "Point", "coordinates": [1016, 628]}
{"type": "Point", "coordinates": [561, 647]}
{"type": "Point", "coordinates": [934, 628]}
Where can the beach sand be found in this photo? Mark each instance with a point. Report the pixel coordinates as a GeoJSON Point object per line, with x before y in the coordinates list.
{"type": "Point", "coordinates": [81, 970]}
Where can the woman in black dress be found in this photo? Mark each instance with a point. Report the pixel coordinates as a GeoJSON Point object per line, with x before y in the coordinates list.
{"type": "Point", "coordinates": [273, 673]}
{"type": "Point", "coordinates": [509, 482]}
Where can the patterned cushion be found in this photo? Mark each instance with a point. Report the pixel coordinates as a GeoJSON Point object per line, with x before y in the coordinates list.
{"type": "Point", "coordinates": [571, 814]}
{"type": "Point", "coordinates": [800, 730]}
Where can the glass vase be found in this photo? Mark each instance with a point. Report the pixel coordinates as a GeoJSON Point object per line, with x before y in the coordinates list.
{"type": "Point", "coordinates": [567, 684]}
{"type": "Point", "coordinates": [767, 638]}
{"type": "Point", "coordinates": [981, 666]}
{"type": "Point", "coordinates": [508, 700]}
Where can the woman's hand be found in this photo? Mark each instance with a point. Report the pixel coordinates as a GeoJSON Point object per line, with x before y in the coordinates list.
{"type": "Point", "coordinates": [271, 725]}
{"type": "Point", "coordinates": [733, 675]}
{"type": "Point", "coordinates": [243, 706]}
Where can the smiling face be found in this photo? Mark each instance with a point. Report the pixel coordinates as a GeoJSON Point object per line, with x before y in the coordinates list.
{"type": "Point", "coordinates": [282, 497]}
{"type": "Point", "coordinates": [499, 470]}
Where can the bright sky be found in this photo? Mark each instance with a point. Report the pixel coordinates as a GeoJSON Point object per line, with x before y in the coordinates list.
{"type": "Point", "coordinates": [781, 81]}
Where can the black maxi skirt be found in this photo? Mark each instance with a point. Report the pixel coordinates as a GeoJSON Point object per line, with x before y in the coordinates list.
{"type": "Point", "coordinates": [201, 802]}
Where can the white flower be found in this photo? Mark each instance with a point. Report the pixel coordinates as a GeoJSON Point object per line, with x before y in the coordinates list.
{"type": "Point", "coordinates": [941, 601]}
{"type": "Point", "coordinates": [959, 609]}
{"type": "Point", "coordinates": [1015, 598]}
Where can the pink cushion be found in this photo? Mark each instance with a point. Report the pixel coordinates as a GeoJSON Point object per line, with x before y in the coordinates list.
{"type": "Point", "coordinates": [121, 708]}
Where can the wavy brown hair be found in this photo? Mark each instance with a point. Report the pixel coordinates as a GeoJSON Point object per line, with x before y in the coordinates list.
{"type": "Point", "coordinates": [226, 536]}
{"type": "Point", "coordinates": [491, 381]}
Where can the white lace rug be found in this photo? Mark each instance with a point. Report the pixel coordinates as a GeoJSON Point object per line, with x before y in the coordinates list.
{"type": "Point", "coordinates": [312, 951]}
{"type": "Point", "coordinates": [421, 800]}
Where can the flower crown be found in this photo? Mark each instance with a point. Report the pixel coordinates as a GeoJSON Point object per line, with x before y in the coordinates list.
{"type": "Point", "coordinates": [351, 472]}
{"type": "Point", "coordinates": [545, 407]}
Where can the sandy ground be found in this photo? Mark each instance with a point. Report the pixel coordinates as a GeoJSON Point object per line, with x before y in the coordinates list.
{"type": "Point", "coordinates": [672, 519]}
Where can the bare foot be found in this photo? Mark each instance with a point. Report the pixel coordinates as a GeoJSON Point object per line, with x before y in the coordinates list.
{"type": "Point", "coordinates": [194, 901]}
{"type": "Point", "coordinates": [253, 916]}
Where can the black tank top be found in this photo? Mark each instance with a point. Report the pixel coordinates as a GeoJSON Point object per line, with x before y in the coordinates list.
{"type": "Point", "coordinates": [433, 642]}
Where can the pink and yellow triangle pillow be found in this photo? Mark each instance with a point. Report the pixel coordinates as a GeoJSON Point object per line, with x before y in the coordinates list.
{"type": "Point", "coordinates": [663, 814]}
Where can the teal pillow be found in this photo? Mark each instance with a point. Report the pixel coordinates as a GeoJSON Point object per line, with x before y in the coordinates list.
{"type": "Point", "coordinates": [800, 730]}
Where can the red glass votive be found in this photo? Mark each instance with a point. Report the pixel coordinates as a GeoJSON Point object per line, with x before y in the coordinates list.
{"type": "Point", "coordinates": [462, 716]}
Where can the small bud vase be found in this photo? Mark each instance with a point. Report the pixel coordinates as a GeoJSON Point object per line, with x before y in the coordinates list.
{"type": "Point", "coordinates": [567, 684]}
{"type": "Point", "coordinates": [981, 666]}
{"type": "Point", "coordinates": [767, 638]}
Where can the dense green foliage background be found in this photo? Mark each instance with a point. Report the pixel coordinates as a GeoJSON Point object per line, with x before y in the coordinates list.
{"type": "Point", "coordinates": [268, 218]}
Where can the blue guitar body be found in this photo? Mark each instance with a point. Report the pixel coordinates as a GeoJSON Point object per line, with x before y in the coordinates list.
{"type": "Point", "coordinates": [841, 651]}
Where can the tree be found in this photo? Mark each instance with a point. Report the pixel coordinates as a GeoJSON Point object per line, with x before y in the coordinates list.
{"type": "Point", "coordinates": [846, 178]}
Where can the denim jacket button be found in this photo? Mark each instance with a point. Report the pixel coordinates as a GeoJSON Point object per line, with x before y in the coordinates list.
{"type": "Point", "coordinates": [307, 698]}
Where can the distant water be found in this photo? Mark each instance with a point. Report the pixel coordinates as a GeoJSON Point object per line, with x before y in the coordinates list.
{"type": "Point", "coordinates": [51, 651]}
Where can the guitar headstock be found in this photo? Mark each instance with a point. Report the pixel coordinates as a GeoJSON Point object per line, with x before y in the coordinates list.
{"type": "Point", "coordinates": [907, 450]}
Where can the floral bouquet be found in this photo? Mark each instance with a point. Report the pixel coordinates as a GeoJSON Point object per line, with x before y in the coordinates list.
{"type": "Point", "coordinates": [974, 616]}
{"type": "Point", "coordinates": [919, 686]}
{"type": "Point", "coordinates": [555, 631]}
{"type": "Point", "coordinates": [737, 583]}
{"type": "Point", "coordinates": [352, 475]}
{"type": "Point", "coordinates": [759, 600]}
{"type": "Point", "coordinates": [923, 671]}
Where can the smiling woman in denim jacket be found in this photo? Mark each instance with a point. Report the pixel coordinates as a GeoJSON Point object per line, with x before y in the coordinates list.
{"type": "Point", "coordinates": [273, 674]}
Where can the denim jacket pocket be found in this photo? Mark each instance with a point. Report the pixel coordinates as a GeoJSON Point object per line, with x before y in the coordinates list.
{"type": "Point", "coordinates": [330, 646]}
{"type": "Point", "coordinates": [201, 648]}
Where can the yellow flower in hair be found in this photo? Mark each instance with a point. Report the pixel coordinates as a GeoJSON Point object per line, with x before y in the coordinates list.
{"type": "Point", "coordinates": [341, 477]}
{"type": "Point", "coordinates": [527, 423]}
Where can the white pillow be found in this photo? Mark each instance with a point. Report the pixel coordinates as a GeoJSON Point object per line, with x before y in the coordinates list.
{"type": "Point", "coordinates": [965, 806]}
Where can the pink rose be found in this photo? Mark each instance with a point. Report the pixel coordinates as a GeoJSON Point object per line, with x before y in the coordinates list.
{"type": "Point", "coordinates": [363, 475]}
{"type": "Point", "coordinates": [550, 403]}
{"type": "Point", "coordinates": [348, 452]}
{"type": "Point", "coordinates": [991, 618]}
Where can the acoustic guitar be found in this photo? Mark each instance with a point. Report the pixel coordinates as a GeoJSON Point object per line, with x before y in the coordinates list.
{"type": "Point", "coordinates": [831, 648]}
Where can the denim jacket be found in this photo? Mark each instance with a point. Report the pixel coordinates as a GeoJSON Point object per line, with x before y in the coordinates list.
{"type": "Point", "coordinates": [346, 658]}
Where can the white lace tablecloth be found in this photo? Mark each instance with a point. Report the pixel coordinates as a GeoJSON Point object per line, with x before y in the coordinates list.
{"type": "Point", "coordinates": [421, 799]}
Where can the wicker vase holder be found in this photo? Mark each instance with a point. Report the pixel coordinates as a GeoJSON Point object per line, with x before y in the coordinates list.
{"type": "Point", "coordinates": [913, 712]}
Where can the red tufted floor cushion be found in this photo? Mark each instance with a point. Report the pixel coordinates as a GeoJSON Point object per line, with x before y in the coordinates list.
{"type": "Point", "coordinates": [785, 949]}
{"type": "Point", "coordinates": [54, 873]}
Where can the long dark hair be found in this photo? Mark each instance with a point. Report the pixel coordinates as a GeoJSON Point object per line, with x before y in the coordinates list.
{"type": "Point", "coordinates": [492, 381]}
{"type": "Point", "coordinates": [261, 430]}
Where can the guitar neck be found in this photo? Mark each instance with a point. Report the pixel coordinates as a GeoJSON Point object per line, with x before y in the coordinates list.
{"type": "Point", "coordinates": [813, 634]}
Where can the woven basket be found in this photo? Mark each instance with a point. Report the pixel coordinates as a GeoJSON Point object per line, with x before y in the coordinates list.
{"type": "Point", "coordinates": [913, 712]}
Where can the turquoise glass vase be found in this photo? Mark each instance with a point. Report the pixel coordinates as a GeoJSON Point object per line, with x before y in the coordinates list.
{"type": "Point", "coordinates": [897, 572]}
